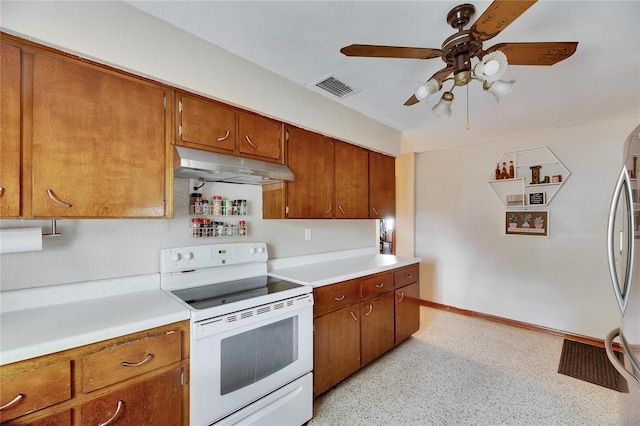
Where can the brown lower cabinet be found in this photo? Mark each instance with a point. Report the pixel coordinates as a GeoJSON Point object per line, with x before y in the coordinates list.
{"type": "Point", "coordinates": [138, 379]}
{"type": "Point", "coordinates": [358, 320]}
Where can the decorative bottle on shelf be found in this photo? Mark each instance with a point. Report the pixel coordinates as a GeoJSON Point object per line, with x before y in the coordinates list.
{"type": "Point", "coordinates": [511, 171]}
{"type": "Point", "coordinates": [497, 171]}
{"type": "Point", "coordinates": [504, 174]}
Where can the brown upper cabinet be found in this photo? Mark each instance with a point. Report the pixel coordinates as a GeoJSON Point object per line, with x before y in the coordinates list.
{"type": "Point", "coordinates": [331, 180]}
{"type": "Point", "coordinates": [10, 70]}
{"type": "Point", "coordinates": [206, 124]}
{"type": "Point", "coordinates": [382, 186]}
{"type": "Point", "coordinates": [94, 140]}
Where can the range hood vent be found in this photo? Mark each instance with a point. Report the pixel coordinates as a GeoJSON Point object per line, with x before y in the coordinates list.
{"type": "Point", "coordinates": [212, 167]}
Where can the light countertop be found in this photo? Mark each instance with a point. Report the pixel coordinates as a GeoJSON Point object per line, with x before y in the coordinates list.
{"type": "Point", "coordinates": [318, 270]}
{"type": "Point", "coordinates": [41, 321]}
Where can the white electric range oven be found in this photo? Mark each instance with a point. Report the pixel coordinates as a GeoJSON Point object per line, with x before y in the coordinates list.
{"type": "Point", "coordinates": [251, 335]}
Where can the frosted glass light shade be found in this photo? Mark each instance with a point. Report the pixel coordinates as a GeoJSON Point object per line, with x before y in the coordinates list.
{"type": "Point", "coordinates": [500, 89]}
{"type": "Point", "coordinates": [443, 107]}
{"type": "Point", "coordinates": [492, 67]}
{"type": "Point", "coordinates": [429, 88]}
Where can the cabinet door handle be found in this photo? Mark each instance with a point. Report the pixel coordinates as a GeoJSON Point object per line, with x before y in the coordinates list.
{"type": "Point", "coordinates": [353, 315]}
{"type": "Point", "coordinates": [1, 189]}
{"type": "Point", "coordinates": [129, 364]}
{"type": "Point", "coordinates": [13, 401]}
{"type": "Point", "coordinates": [53, 197]}
{"type": "Point", "coordinates": [401, 296]}
{"type": "Point", "coordinates": [328, 210]}
{"type": "Point", "coordinates": [224, 137]}
{"type": "Point", "coordinates": [370, 310]}
{"type": "Point", "coordinates": [118, 409]}
{"type": "Point", "coordinates": [250, 143]}
{"type": "Point", "coordinates": [374, 210]}
{"type": "Point", "coordinates": [340, 298]}
{"type": "Point", "coordinates": [380, 285]}
{"type": "Point", "coordinates": [340, 207]}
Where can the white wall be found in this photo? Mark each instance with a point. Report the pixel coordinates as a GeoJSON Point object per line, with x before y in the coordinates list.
{"type": "Point", "coordinates": [562, 281]}
{"type": "Point", "coordinates": [116, 34]}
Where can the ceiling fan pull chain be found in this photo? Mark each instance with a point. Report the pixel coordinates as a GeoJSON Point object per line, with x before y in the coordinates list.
{"type": "Point", "coordinates": [468, 126]}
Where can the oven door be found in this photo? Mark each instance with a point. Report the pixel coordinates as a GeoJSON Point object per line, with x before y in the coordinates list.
{"type": "Point", "coordinates": [240, 357]}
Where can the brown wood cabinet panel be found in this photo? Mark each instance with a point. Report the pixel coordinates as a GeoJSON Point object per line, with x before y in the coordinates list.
{"type": "Point", "coordinates": [154, 402]}
{"type": "Point", "coordinates": [336, 352]}
{"type": "Point", "coordinates": [408, 275]}
{"type": "Point", "coordinates": [377, 326]}
{"type": "Point", "coordinates": [382, 186]}
{"type": "Point", "coordinates": [98, 142]}
{"type": "Point", "coordinates": [407, 305]}
{"type": "Point", "coordinates": [10, 158]}
{"type": "Point", "coordinates": [40, 387]}
{"type": "Point", "coordinates": [330, 297]}
{"type": "Point", "coordinates": [377, 284]}
{"type": "Point", "coordinates": [259, 136]}
{"type": "Point", "coordinates": [205, 123]}
{"type": "Point", "coordinates": [311, 194]}
{"type": "Point", "coordinates": [132, 359]}
{"type": "Point", "coordinates": [352, 181]}
{"type": "Point", "coordinates": [62, 418]}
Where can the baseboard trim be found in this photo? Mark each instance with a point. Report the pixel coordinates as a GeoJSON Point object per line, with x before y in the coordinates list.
{"type": "Point", "coordinates": [519, 324]}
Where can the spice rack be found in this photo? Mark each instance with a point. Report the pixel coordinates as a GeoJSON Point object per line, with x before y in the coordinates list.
{"type": "Point", "coordinates": [211, 220]}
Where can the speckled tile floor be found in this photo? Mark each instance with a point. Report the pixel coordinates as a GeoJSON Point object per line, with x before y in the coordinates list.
{"type": "Point", "coordinates": [459, 370]}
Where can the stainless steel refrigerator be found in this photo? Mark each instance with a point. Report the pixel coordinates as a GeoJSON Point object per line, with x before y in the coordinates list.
{"type": "Point", "coordinates": [623, 235]}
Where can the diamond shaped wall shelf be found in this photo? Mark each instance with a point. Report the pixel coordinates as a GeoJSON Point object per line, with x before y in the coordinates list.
{"type": "Point", "coordinates": [527, 178]}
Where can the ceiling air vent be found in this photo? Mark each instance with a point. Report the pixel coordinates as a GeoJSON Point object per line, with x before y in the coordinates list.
{"type": "Point", "coordinates": [334, 86]}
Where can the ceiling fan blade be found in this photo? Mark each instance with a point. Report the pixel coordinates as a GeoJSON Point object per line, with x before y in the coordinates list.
{"type": "Point", "coordinates": [412, 101]}
{"type": "Point", "coordinates": [497, 17]}
{"type": "Point", "coordinates": [542, 53]}
{"type": "Point", "coordinates": [373, 51]}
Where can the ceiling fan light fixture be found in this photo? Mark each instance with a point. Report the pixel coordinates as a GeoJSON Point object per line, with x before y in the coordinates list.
{"type": "Point", "coordinates": [429, 88]}
{"type": "Point", "coordinates": [492, 67]}
{"type": "Point", "coordinates": [443, 107]}
{"type": "Point", "coordinates": [500, 89]}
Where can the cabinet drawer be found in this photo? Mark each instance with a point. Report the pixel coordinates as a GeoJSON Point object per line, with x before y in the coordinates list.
{"type": "Point", "coordinates": [40, 388]}
{"type": "Point", "coordinates": [377, 284]}
{"type": "Point", "coordinates": [119, 363]}
{"type": "Point", "coordinates": [407, 275]}
{"type": "Point", "coordinates": [333, 296]}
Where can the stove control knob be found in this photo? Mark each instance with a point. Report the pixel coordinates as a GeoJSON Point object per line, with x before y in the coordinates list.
{"type": "Point", "coordinates": [252, 250]}
{"type": "Point", "coordinates": [176, 257]}
{"type": "Point", "coordinates": [187, 256]}
{"type": "Point", "coordinates": [260, 250]}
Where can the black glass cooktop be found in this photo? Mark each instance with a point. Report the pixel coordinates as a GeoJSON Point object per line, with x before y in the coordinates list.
{"type": "Point", "coordinates": [208, 296]}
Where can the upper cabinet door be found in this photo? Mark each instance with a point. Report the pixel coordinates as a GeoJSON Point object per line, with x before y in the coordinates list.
{"type": "Point", "coordinates": [259, 136]}
{"type": "Point", "coordinates": [352, 181]}
{"type": "Point", "coordinates": [10, 70]}
{"type": "Point", "coordinates": [311, 194]}
{"type": "Point", "coordinates": [205, 123]}
{"type": "Point", "coordinates": [98, 142]}
{"type": "Point", "coordinates": [382, 182]}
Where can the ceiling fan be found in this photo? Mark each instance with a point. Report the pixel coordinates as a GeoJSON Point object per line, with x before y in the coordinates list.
{"type": "Point", "coordinates": [458, 50]}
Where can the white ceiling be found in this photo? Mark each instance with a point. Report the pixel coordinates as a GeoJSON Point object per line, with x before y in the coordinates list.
{"type": "Point", "coordinates": [301, 41]}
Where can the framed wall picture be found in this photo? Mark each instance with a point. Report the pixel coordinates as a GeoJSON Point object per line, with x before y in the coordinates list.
{"type": "Point", "coordinates": [530, 222]}
{"type": "Point", "coordinates": [537, 199]}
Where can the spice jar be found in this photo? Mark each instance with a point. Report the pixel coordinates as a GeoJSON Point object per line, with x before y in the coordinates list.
{"type": "Point", "coordinates": [195, 203]}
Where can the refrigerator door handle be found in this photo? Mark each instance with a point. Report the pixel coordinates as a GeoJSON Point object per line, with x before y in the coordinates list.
{"type": "Point", "coordinates": [608, 346]}
{"type": "Point", "coordinates": [622, 187]}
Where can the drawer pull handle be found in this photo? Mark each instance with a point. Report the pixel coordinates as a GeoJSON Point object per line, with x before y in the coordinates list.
{"type": "Point", "coordinates": [409, 276]}
{"type": "Point", "coordinates": [138, 364]}
{"type": "Point", "coordinates": [380, 285]}
{"type": "Point", "coordinates": [1, 189]}
{"type": "Point", "coordinates": [370, 310]}
{"type": "Point", "coordinates": [54, 198]}
{"type": "Point", "coordinates": [250, 143]}
{"type": "Point", "coordinates": [108, 422]}
{"type": "Point", "coordinates": [339, 298]}
{"type": "Point", "coordinates": [353, 315]}
{"type": "Point", "coordinates": [401, 296]}
{"type": "Point", "coordinates": [13, 401]}
{"type": "Point", "coordinates": [224, 137]}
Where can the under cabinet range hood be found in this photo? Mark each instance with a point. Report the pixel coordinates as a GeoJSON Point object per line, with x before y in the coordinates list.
{"type": "Point", "coordinates": [212, 167]}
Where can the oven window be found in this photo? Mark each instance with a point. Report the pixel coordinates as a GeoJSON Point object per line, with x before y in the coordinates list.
{"type": "Point", "coordinates": [255, 354]}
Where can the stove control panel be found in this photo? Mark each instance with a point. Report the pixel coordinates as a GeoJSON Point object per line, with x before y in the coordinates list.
{"type": "Point", "coordinates": [211, 255]}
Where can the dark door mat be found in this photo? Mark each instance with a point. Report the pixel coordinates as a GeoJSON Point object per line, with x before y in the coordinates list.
{"type": "Point", "coordinates": [590, 363]}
